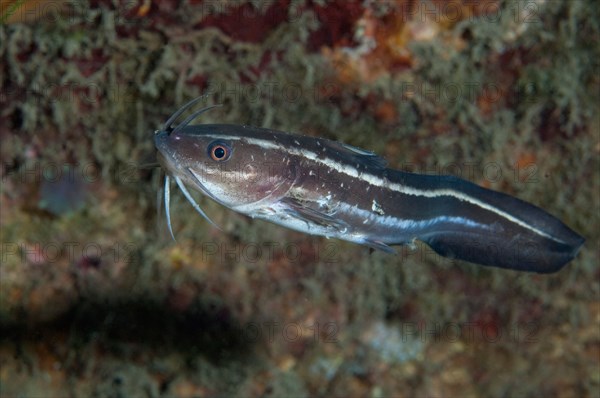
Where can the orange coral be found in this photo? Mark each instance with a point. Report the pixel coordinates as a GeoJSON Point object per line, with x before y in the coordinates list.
{"type": "Point", "coordinates": [383, 41]}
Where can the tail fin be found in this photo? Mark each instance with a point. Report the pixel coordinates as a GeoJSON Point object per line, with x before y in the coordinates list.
{"type": "Point", "coordinates": [519, 252]}
{"type": "Point", "coordinates": [492, 228]}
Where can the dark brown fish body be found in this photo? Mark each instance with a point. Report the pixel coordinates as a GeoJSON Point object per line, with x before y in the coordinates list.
{"type": "Point", "coordinates": [327, 188]}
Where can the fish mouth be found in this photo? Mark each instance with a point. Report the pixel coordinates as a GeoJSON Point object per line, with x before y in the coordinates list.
{"type": "Point", "coordinates": [166, 162]}
{"type": "Point", "coordinates": [159, 139]}
{"type": "Point", "coordinates": [172, 172]}
{"type": "Point", "coordinates": [162, 150]}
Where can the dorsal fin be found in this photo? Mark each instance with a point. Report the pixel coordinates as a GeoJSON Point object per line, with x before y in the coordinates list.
{"type": "Point", "coordinates": [360, 156]}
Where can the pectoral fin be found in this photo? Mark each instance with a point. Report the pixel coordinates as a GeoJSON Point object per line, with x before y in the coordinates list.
{"type": "Point", "coordinates": [302, 211]}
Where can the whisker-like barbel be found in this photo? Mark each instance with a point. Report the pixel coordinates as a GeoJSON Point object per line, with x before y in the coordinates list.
{"type": "Point", "coordinates": [168, 205]}
{"type": "Point", "coordinates": [193, 202]}
{"type": "Point", "coordinates": [168, 124]}
{"type": "Point", "coordinates": [323, 187]}
{"type": "Point", "coordinates": [193, 116]}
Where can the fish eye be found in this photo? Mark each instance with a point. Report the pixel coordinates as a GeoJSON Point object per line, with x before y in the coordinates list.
{"type": "Point", "coordinates": [219, 151]}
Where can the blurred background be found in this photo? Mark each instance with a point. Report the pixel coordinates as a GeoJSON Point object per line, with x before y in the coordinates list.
{"type": "Point", "coordinates": [97, 300]}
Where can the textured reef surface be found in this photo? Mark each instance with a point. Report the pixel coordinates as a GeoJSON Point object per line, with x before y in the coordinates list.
{"type": "Point", "coordinates": [97, 300]}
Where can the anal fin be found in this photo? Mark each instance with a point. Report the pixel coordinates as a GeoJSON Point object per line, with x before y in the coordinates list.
{"type": "Point", "coordinates": [374, 244]}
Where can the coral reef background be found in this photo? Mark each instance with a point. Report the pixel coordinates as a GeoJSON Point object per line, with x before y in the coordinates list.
{"type": "Point", "coordinates": [95, 298]}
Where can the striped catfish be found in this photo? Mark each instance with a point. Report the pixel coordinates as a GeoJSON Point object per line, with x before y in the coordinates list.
{"type": "Point", "coordinates": [327, 188]}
